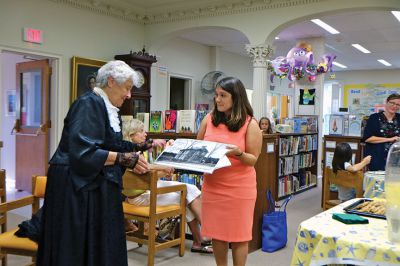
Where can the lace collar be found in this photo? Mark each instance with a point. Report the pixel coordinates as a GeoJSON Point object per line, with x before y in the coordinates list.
{"type": "Point", "coordinates": [111, 110]}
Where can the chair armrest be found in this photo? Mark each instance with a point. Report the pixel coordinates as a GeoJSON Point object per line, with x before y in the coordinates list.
{"type": "Point", "coordinates": [174, 188]}
{"type": "Point", "coordinates": [15, 204]}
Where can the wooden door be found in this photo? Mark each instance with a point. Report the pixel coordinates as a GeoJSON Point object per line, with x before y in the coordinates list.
{"type": "Point", "coordinates": [32, 123]}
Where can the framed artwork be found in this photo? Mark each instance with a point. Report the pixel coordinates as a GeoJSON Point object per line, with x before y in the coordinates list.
{"type": "Point", "coordinates": [11, 103]}
{"type": "Point", "coordinates": [84, 72]}
{"type": "Point", "coordinates": [336, 125]}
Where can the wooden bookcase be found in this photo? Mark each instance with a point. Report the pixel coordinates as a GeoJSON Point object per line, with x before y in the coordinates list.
{"type": "Point", "coordinates": [330, 142]}
{"type": "Point", "coordinates": [295, 158]}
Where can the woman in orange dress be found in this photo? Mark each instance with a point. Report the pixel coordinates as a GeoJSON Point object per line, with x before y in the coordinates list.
{"type": "Point", "coordinates": [229, 194]}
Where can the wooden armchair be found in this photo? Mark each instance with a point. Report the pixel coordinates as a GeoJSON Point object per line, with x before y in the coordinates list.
{"type": "Point", "coordinates": [150, 214]}
{"type": "Point", "coordinates": [9, 243]}
{"type": "Point", "coordinates": [343, 178]}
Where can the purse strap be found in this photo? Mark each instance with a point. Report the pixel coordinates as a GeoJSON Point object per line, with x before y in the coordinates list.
{"type": "Point", "coordinates": [285, 203]}
{"type": "Point", "coordinates": [271, 202]}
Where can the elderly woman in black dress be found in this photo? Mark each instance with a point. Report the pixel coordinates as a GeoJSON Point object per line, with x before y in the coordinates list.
{"type": "Point", "coordinates": [82, 221]}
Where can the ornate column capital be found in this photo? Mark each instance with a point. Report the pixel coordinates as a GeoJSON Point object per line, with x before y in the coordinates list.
{"type": "Point", "coordinates": [259, 54]}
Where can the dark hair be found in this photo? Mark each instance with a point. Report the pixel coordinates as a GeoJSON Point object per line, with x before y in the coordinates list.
{"type": "Point", "coordinates": [269, 130]}
{"type": "Point", "coordinates": [241, 107]}
{"type": "Point", "coordinates": [341, 155]}
{"type": "Point", "coordinates": [393, 96]}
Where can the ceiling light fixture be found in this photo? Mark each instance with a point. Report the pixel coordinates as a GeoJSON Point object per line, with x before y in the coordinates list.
{"type": "Point", "coordinates": [325, 26]}
{"type": "Point", "coordinates": [276, 38]}
{"type": "Point", "coordinates": [339, 65]}
{"type": "Point", "coordinates": [396, 14]}
{"type": "Point", "coordinates": [359, 47]}
{"type": "Point", "coordinates": [384, 62]}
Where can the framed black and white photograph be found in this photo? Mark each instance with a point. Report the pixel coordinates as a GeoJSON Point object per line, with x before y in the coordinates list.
{"type": "Point", "coordinates": [336, 125]}
{"type": "Point", "coordinates": [84, 72]}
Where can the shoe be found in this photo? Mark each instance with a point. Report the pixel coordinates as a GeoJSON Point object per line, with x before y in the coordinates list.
{"type": "Point", "coordinates": [130, 226]}
{"type": "Point", "coordinates": [206, 243]}
{"type": "Point", "coordinates": [204, 250]}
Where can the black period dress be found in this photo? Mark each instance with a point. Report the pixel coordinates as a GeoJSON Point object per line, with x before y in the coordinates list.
{"type": "Point", "coordinates": [82, 213]}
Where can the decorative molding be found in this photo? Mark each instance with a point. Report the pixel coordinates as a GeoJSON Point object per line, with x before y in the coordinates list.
{"type": "Point", "coordinates": [259, 54]}
{"type": "Point", "coordinates": [234, 7]}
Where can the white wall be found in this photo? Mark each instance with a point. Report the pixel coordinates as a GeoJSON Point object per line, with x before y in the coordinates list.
{"type": "Point", "coordinates": [8, 68]}
{"type": "Point", "coordinates": [68, 32]}
{"type": "Point", "coordinates": [368, 76]}
{"type": "Point", "coordinates": [192, 60]}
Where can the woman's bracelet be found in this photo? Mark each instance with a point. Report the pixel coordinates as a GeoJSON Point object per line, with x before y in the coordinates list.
{"type": "Point", "coordinates": [238, 155]}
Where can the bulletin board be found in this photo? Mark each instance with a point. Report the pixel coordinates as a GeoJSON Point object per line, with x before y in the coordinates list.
{"type": "Point", "coordinates": [365, 99]}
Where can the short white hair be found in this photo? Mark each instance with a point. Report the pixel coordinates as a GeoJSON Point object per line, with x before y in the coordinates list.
{"type": "Point", "coordinates": [119, 71]}
{"type": "Point", "coordinates": [131, 127]}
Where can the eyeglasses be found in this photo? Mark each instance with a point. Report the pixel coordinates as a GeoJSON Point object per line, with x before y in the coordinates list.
{"type": "Point", "coordinates": [394, 104]}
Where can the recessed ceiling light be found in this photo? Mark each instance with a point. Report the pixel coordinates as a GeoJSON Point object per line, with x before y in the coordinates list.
{"type": "Point", "coordinates": [339, 65]}
{"type": "Point", "coordinates": [325, 26]}
{"type": "Point", "coordinates": [362, 49]}
{"type": "Point", "coordinates": [384, 62]}
{"type": "Point", "coordinates": [396, 14]}
{"type": "Point", "coordinates": [276, 38]}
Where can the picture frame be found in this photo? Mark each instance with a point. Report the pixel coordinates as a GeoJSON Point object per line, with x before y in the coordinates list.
{"type": "Point", "coordinates": [11, 103]}
{"type": "Point", "coordinates": [83, 70]}
{"type": "Point", "coordinates": [336, 125]}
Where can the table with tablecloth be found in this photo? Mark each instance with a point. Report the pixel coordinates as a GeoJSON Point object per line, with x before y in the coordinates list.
{"type": "Point", "coordinates": [374, 184]}
{"type": "Point", "coordinates": [322, 240]}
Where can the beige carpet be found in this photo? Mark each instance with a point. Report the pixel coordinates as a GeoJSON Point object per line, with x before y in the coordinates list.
{"type": "Point", "coordinates": [301, 207]}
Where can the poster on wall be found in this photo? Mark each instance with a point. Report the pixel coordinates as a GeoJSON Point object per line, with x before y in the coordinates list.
{"type": "Point", "coordinates": [11, 103]}
{"type": "Point", "coordinates": [307, 96]}
{"type": "Point", "coordinates": [365, 99]}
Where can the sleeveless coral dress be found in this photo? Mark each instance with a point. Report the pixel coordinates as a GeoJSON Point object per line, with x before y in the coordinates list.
{"type": "Point", "coordinates": [229, 194]}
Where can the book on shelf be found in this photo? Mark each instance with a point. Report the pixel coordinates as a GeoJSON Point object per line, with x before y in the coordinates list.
{"type": "Point", "coordinates": [145, 118]}
{"type": "Point", "coordinates": [200, 114]}
{"type": "Point", "coordinates": [186, 121]}
{"type": "Point", "coordinates": [201, 106]}
{"type": "Point", "coordinates": [156, 122]}
{"type": "Point", "coordinates": [170, 119]}
{"type": "Point", "coordinates": [195, 155]}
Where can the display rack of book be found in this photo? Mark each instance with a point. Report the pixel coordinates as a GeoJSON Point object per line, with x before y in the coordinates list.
{"type": "Point", "coordinates": [330, 142]}
{"type": "Point", "coordinates": [296, 163]}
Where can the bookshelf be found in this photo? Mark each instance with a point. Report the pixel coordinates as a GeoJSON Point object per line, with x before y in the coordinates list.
{"type": "Point", "coordinates": [288, 163]}
{"type": "Point", "coordinates": [330, 142]}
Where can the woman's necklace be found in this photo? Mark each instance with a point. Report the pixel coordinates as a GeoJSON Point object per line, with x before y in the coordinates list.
{"type": "Point", "coordinates": [389, 117]}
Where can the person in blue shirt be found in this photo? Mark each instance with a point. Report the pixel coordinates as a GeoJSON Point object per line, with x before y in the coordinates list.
{"type": "Point", "coordinates": [381, 131]}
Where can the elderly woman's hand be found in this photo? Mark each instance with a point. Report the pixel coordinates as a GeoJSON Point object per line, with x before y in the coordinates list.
{"type": "Point", "coordinates": [142, 165]}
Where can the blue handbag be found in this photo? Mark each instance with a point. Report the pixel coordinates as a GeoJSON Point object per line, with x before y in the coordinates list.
{"type": "Point", "coordinates": [274, 226]}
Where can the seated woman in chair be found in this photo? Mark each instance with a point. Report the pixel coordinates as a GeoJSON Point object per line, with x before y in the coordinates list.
{"type": "Point", "coordinates": [133, 130]}
{"type": "Point", "coordinates": [341, 161]}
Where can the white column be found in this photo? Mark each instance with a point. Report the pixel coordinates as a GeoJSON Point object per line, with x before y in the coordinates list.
{"type": "Point", "coordinates": [259, 54]}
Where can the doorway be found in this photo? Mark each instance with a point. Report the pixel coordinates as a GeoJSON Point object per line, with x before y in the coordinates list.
{"type": "Point", "coordinates": [180, 93]}
{"type": "Point", "coordinates": [9, 59]}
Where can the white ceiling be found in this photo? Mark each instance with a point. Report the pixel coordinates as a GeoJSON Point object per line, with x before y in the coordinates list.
{"type": "Point", "coordinates": [378, 31]}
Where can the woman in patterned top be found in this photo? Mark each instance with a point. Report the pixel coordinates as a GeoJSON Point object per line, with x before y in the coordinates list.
{"type": "Point", "coordinates": [382, 130]}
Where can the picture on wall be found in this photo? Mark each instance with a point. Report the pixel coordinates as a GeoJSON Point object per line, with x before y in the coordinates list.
{"type": "Point", "coordinates": [336, 125]}
{"type": "Point", "coordinates": [307, 96]}
{"type": "Point", "coordinates": [11, 103]}
{"type": "Point", "coordinates": [84, 72]}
